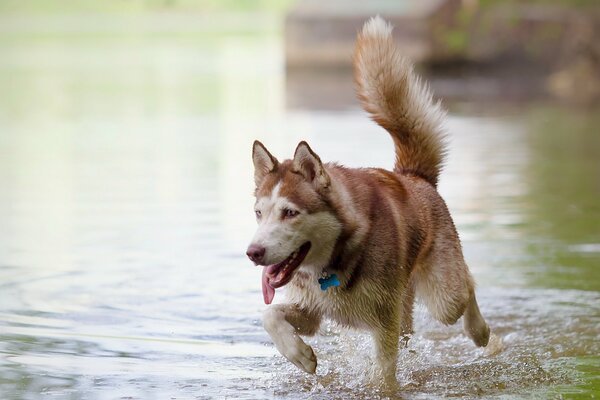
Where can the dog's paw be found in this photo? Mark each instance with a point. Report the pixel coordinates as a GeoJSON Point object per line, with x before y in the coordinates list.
{"type": "Point", "coordinates": [299, 353]}
{"type": "Point", "coordinates": [305, 359]}
{"type": "Point", "coordinates": [287, 341]}
{"type": "Point", "coordinates": [494, 346]}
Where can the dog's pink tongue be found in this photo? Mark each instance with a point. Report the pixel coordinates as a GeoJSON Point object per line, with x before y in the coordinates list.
{"type": "Point", "coordinates": [268, 290]}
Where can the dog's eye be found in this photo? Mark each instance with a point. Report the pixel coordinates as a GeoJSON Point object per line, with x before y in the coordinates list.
{"type": "Point", "coordinates": [258, 213]}
{"type": "Point", "coordinates": [287, 213]}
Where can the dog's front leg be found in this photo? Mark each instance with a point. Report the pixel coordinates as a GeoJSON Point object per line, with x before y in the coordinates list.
{"type": "Point", "coordinates": [284, 323]}
{"type": "Point", "coordinates": [386, 350]}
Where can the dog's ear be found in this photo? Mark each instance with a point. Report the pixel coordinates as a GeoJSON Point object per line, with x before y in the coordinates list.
{"type": "Point", "coordinates": [264, 162]}
{"type": "Point", "coordinates": [308, 163]}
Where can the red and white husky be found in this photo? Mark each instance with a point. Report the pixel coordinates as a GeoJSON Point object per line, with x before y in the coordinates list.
{"type": "Point", "coordinates": [385, 235]}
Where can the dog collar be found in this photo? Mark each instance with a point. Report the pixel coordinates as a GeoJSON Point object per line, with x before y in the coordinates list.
{"type": "Point", "coordinates": [328, 281]}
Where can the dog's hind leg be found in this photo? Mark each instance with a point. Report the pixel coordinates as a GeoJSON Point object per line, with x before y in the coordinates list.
{"type": "Point", "coordinates": [474, 325]}
{"type": "Point", "coordinates": [284, 323]}
{"type": "Point", "coordinates": [444, 283]}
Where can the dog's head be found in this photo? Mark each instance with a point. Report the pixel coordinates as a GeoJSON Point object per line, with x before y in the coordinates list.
{"type": "Point", "coordinates": [296, 225]}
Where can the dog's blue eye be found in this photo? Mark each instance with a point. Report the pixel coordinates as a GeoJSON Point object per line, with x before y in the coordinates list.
{"type": "Point", "coordinates": [287, 213]}
{"type": "Point", "coordinates": [258, 213]}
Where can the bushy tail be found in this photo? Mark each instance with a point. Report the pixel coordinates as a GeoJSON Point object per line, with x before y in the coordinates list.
{"type": "Point", "coordinates": [398, 101]}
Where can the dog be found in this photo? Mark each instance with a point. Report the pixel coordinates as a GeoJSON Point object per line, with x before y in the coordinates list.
{"type": "Point", "coordinates": [384, 237]}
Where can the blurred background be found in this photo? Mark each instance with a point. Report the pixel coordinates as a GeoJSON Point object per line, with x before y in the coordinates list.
{"type": "Point", "coordinates": [126, 192]}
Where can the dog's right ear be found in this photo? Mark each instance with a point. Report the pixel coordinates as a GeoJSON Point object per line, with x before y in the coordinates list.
{"type": "Point", "coordinates": [308, 163]}
{"type": "Point", "coordinates": [264, 162]}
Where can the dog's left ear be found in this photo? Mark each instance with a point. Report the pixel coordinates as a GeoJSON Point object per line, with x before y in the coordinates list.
{"type": "Point", "coordinates": [264, 162]}
{"type": "Point", "coordinates": [308, 163]}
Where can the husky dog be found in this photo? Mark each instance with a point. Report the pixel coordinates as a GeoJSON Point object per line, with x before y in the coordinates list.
{"type": "Point", "coordinates": [387, 236]}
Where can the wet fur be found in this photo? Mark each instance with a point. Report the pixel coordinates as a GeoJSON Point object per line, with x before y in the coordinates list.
{"type": "Point", "coordinates": [388, 235]}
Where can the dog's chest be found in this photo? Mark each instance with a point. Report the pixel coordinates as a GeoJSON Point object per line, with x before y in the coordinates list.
{"type": "Point", "coordinates": [334, 302]}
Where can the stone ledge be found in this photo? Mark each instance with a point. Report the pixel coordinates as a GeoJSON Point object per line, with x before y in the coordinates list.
{"type": "Point", "coordinates": [324, 36]}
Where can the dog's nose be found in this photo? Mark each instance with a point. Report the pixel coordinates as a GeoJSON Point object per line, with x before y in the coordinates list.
{"type": "Point", "coordinates": [255, 253]}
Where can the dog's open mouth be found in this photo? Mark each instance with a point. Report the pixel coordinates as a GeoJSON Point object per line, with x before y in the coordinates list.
{"type": "Point", "coordinates": [278, 275]}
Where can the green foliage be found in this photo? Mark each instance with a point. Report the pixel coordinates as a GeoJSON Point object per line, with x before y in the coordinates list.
{"type": "Point", "coordinates": [456, 40]}
{"type": "Point", "coordinates": [571, 3]}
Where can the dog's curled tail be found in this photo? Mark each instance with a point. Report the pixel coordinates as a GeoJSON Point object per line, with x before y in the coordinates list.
{"type": "Point", "coordinates": [398, 101]}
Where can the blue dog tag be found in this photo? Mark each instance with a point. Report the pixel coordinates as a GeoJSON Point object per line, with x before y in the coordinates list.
{"type": "Point", "coordinates": [329, 281]}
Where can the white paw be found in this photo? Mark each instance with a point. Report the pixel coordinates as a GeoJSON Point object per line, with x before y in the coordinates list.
{"type": "Point", "coordinates": [287, 341]}
{"type": "Point", "coordinates": [299, 353]}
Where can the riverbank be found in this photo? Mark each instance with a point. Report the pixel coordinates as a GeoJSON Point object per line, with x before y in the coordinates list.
{"type": "Point", "coordinates": [554, 45]}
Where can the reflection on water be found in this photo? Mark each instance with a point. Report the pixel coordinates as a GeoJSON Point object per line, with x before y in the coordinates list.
{"type": "Point", "coordinates": [126, 206]}
{"type": "Point", "coordinates": [564, 181]}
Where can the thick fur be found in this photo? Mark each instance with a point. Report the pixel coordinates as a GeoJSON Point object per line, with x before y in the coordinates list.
{"type": "Point", "coordinates": [399, 102]}
{"type": "Point", "coordinates": [388, 235]}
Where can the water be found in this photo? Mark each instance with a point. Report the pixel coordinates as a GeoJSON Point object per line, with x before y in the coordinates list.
{"type": "Point", "coordinates": [125, 209]}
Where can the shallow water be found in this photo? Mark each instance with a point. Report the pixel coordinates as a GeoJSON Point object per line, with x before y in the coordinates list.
{"type": "Point", "coordinates": [125, 210]}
